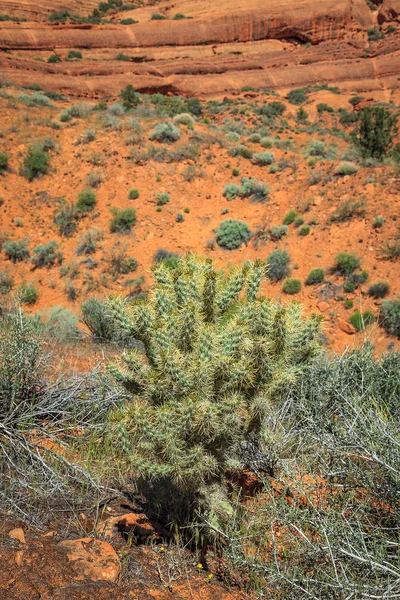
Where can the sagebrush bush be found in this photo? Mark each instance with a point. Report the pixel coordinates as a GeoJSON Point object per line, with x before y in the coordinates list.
{"type": "Point", "coordinates": [165, 132]}
{"type": "Point", "coordinates": [88, 243]}
{"type": "Point", "coordinates": [278, 232]}
{"type": "Point", "coordinates": [290, 217]}
{"type": "Point", "coordinates": [96, 319]}
{"type": "Point", "coordinates": [86, 201]}
{"type": "Point", "coordinates": [297, 96]}
{"type": "Point", "coordinates": [133, 194]}
{"type": "Point", "coordinates": [346, 263]}
{"type": "Point", "coordinates": [346, 168]}
{"type": "Point", "coordinates": [231, 234]}
{"type": "Point", "coordinates": [123, 220]}
{"type": "Point", "coordinates": [16, 251]}
{"type": "Point", "coordinates": [378, 290]}
{"type": "Point", "coordinates": [3, 162]}
{"type": "Point", "coordinates": [315, 276]}
{"type": "Point", "coordinates": [46, 255]}
{"type": "Point", "coordinates": [291, 286]}
{"type": "Point", "coordinates": [211, 363]}
{"type": "Point", "coordinates": [36, 162]}
{"type": "Point", "coordinates": [230, 191]}
{"type": "Point", "coordinates": [389, 317]}
{"type": "Point", "coordinates": [65, 218]}
{"type": "Point", "coordinates": [27, 293]}
{"type": "Point", "coordinates": [162, 255]}
{"type": "Point", "coordinates": [162, 198]}
{"type": "Point", "coordinates": [278, 265]}
{"type": "Point", "coordinates": [263, 158]}
{"type": "Point", "coordinates": [6, 283]}
{"type": "Point", "coordinates": [183, 119]}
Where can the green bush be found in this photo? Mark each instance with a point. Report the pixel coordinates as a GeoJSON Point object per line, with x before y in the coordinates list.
{"type": "Point", "coordinates": [165, 132]}
{"type": "Point", "coordinates": [361, 320]}
{"type": "Point", "coordinates": [86, 201]}
{"type": "Point", "coordinates": [232, 234]}
{"type": "Point", "coordinates": [16, 251]}
{"type": "Point", "coordinates": [59, 323]}
{"type": "Point", "coordinates": [257, 191]}
{"type": "Point", "coordinates": [347, 263]}
{"type": "Point", "coordinates": [184, 119]}
{"type": "Point", "coordinates": [297, 96]}
{"type": "Point", "coordinates": [278, 265]}
{"type": "Point", "coordinates": [291, 286]}
{"type": "Point", "coordinates": [46, 255]}
{"type": "Point", "coordinates": [27, 293]}
{"type": "Point", "coordinates": [322, 107]}
{"type": "Point", "coordinates": [202, 385]}
{"type": "Point", "coordinates": [65, 218]}
{"type": "Point", "coordinates": [123, 220]}
{"type": "Point", "coordinates": [74, 54]}
{"type": "Point", "coordinates": [316, 148]}
{"type": "Point", "coordinates": [272, 109]}
{"type": "Point", "coordinates": [278, 232]}
{"type": "Point", "coordinates": [231, 190]}
{"type": "Point", "coordinates": [54, 58]}
{"type": "Point", "coordinates": [347, 210]}
{"type": "Point", "coordinates": [378, 290]}
{"type": "Point", "coordinates": [305, 230]}
{"type": "Point", "coordinates": [301, 115]}
{"type": "Point", "coordinates": [315, 276]}
{"type": "Point", "coordinates": [36, 162]}
{"type": "Point", "coordinates": [290, 217]}
{"type": "Point", "coordinates": [263, 158]}
{"type": "Point", "coordinates": [133, 194]}
{"type": "Point", "coordinates": [346, 168]}
{"type": "Point", "coordinates": [375, 131]}
{"type": "Point", "coordinates": [179, 217]}
{"type": "Point", "coordinates": [89, 242]}
{"type": "Point", "coordinates": [162, 198]}
{"type": "Point", "coordinates": [389, 317]}
{"type": "Point", "coordinates": [162, 255]}
{"type": "Point", "coordinates": [6, 283]}
{"type": "Point", "coordinates": [3, 162]}
{"type": "Point", "coordinates": [96, 319]}
{"type": "Point", "coordinates": [130, 97]}
{"type": "Point", "coordinates": [378, 222]}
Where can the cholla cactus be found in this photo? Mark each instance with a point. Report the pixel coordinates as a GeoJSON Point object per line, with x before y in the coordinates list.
{"type": "Point", "coordinates": [214, 356]}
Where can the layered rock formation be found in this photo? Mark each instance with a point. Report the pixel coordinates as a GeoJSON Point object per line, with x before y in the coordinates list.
{"type": "Point", "coordinates": [217, 48]}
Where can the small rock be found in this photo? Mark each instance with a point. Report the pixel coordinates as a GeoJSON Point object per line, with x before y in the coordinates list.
{"type": "Point", "coordinates": [17, 534]}
{"type": "Point", "coordinates": [18, 558]}
{"type": "Point", "coordinates": [130, 523]}
{"type": "Point", "coordinates": [346, 327]}
{"type": "Point", "coordinates": [323, 306]}
{"type": "Point", "coordinates": [92, 559]}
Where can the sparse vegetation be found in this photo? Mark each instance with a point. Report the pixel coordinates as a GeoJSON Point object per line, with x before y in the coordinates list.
{"type": "Point", "coordinates": [347, 263]}
{"type": "Point", "coordinates": [16, 250]}
{"type": "Point", "coordinates": [278, 265]}
{"type": "Point", "coordinates": [86, 201]}
{"type": "Point", "coordinates": [36, 162]}
{"type": "Point", "coordinates": [165, 132]}
{"type": "Point", "coordinates": [46, 255]}
{"type": "Point", "coordinates": [315, 276]}
{"type": "Point", "coordinates": [232, 234]}
{"type": "Point", "coordinates": [27, 293]}
{"type": "Point", "coordinates": [123, 220]}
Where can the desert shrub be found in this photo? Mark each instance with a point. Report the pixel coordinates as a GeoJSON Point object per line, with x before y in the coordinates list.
{"type": "Point", "coordinates": [165, 132]}
{"type": "Point", "coordinates": [305, 230]}
{"type": "Point", "coordinates": [272, 109]}
{"type": "Point", "coordinates": [133, 194]}
{"type": "Point", "coordinates": [37, 100]}
{"type": "Point", "coordinates": [278, 265]}
{"type": "Point", "coordinates": [322, 107]}
{"type": "Point", "coordinates": [54, 58]}
{"type": "Point", "coordinates": [123, 220]}
{"type": "Point", "coordinates": [36, 162]}
{"type": "Point", "coordinates": [291, 286]}
{"type": "Point", "coordinates": [6, 283]}
{"type": "Point", "coordinates": [65, 218]}
{"type": "Point", "coordinates": [3, 162]}
{"type": "Point", "coordinates": [179, 217]}
{"type": "Point", "coordinates": [257, 191]}
{"type": "Point", "coordinates": [86, 201]}
{"type": "Point", "coordinates": [96, 319]}
{"type": "Point", "coordinates": [231, 190]}
{"type": "Point", "coordinates": [347, 210]}
{"type": "Point", "coordinates": [74, 55]}
{"type": "Point", "coordinates": [231, 234]}
{"type": "Point", "coordinates": [346, 168]}
{"type": "Point", "coordinates": [301, 115]}
{"type": "Point", "coordinates": [346, 263]}
{"type": "Point", "coordinates": [267, 142]}
{"type": "Point", "coordinates": [315, 177]}
{"type": "Point", "coordinates": [315, 276]}
{"type": "Point", "coordinates": [27, 293]}
{"type": "Point", "coordinates": [374, 131]}
{"type": "Point", "coordinates": [88, 243]}
{"type": "Point", "coordinates": [354, 281]}
{"type": "Point", "coordinates": [361, 320]}
{"type": "Point", "coordinates": [298, 221]}
{"type": "Point", "coordinates": [16, 251]}
{"type": "Point", "coordinates": [263, 158]}
{"type": "Point", "coordinates": [389, 317]}
{"type": "Point", "coordinates": [162, 198]}
{"type": "Point", "coordinates": [46, 255]}
{"type": "Point", "coordinates": [378, 290]}
{"type": "Point", "coordinates": [378, 222]}
{"type": "Point", "coordinates": [89, 135]}
{"type": "Point", "coordinates": [316, 148]}
{"type": "Point", "coordinates": [232, 136]}
{"type": "Point", "coordinates": [255, 138]}
{"type": "Point", "coordinates": [278, 232]}
{"type": "Point", "coordinates": [297, 96]}
{"type": "Point", "coordinates": [59, 323]}
{"type": "Point", "coordinates": [347, 118]}
{"type": "Point", "coordinates": [130, 97]}
{"type": "Point", "coordinates": [162, 255]}
{"type": "Point", "coordinates": [120, 262]}
{"type": "Point", "coordinates": [117, 109]}
{"type": "Point", "coordinates": [201, 385]}
{"type": "Point", "coordinates": [94, 179]}
{"type": "Point", "coordinates": [157, 17]}
{"type": "Point", "coordinates": [184, 119]}
{"type": "Point", "coordinates": [373, 35]}
{"type": "Point", "coordinates": [290, 217]}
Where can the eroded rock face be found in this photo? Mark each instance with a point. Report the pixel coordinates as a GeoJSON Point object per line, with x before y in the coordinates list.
{"type": "Point", "coordinates": [221, 48]}
{"type": "Point", "coordinates": [92, 559]}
